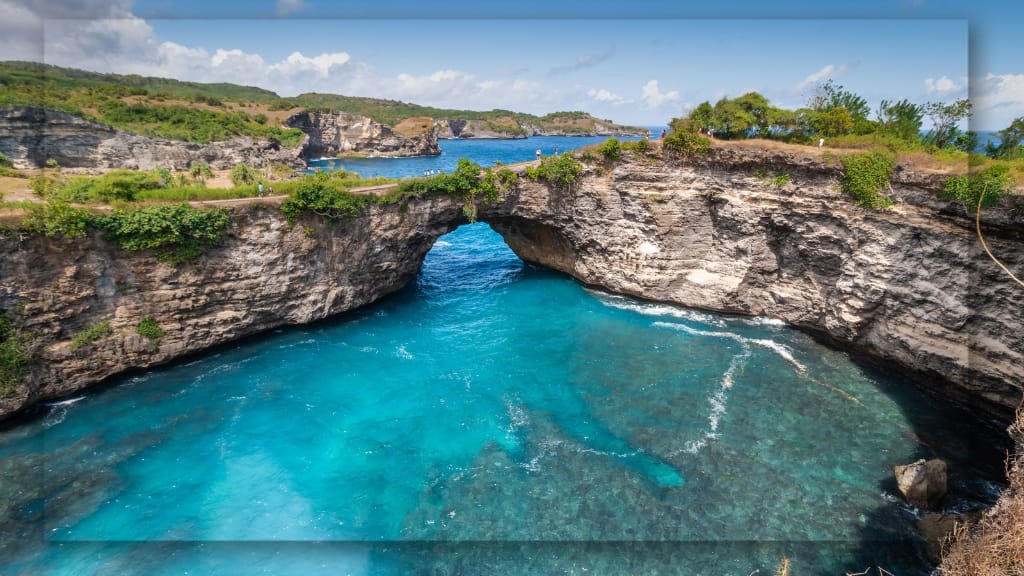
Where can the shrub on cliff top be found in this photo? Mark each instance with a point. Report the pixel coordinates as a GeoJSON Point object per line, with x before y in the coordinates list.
{"type": "Point", "coordinates": [56, 218]}
{"type": "Point", "coordinates": [993, 182]}
{"type": "Point", "coordinates": [611, 150]}
{"type": "Point", "coordinates": [176, 233]}
{"type": "Point", "coordinates": [686, 142]}
{"type": "Point", "coordinates": [317, 194]}
{"type": "Point", "coordinates": [562, 171]}
{"type": "Point", "coordinates": [864, 175]}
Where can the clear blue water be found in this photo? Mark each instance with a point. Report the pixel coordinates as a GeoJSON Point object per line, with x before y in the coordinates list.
{"type": "Point", "coordinates": [484, 152]}
{"type": "Point", "coordinates": [490, 418]}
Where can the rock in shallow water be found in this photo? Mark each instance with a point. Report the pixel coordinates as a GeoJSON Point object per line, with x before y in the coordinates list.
{"type": "Point", "coordinates": [922, 483]}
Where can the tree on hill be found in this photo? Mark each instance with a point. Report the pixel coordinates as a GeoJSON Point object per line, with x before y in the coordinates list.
{"type": "Point", "coordinates": [945, 118]}
{"type": "Point", "coordinates": [1010, 140]}
{"type": "Point", "coordinates": [902, 119]}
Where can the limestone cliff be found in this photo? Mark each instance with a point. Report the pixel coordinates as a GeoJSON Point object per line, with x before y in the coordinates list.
{"type": "Point", "coordinates": [31, 136]}
{"type": "Point", "coordinates": [266, 274]}
{"type": "Point", "coordinates": [908, 285]}
{"type": "Point", "coordinates": [339, 133]}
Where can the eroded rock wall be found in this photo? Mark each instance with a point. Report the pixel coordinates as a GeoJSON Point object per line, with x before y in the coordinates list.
{"type": "Point", "coordinates": [338, 133]}
{"type": "Point", "coordinates": [266, 274]}
{"type": "Point", "coordinates": [908, 285]}
{"type": "Point", "coordinates": [32, 136]}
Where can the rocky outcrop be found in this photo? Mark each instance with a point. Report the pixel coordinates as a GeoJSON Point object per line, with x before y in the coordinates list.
{"type": "Point", "coordinates": [32, 136]}
{"type": "Point", "coordinates": [266, 274]}
{"type": "Point", "coordinates": [909, 286]}
{"type": "Point", "coordinates": [922, 483]}
{"type": "Point", "coordinates": [338, 133]}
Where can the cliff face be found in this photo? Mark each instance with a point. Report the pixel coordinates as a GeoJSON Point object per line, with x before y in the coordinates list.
{"type": "Point", "coordinates": [31, 136]}
{"type": "Point", "coordinates": [908, 285]}
{"type": "Point", "coordinates": [339, 133]}
{"type": "Point", "coordinates": [266, 274]}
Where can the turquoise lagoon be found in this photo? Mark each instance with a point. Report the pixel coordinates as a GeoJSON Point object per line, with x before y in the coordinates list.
{"type": "Point", "coordinates": [490, 418]}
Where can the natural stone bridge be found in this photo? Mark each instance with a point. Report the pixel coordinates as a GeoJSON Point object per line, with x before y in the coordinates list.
{"type": "Point", "coordinates": [906, 286]}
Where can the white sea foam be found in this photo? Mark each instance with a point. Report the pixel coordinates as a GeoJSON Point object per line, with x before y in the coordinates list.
{"type": "Point", "coordinates": [67, 402]}
{"type": "Point", "coordinates": [653, 309]}
{"type": "Point", "coordinates": [403, 353]}
{"type": "Point", "coordinates": [762, 321]}
{"type": "Point", "coordinates": [781, 349]}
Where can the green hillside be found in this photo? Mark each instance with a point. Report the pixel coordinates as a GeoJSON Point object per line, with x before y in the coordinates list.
{"type": "Point", "coordinates": [195, 112]}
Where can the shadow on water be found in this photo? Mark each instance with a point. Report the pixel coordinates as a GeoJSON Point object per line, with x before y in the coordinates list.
{"type": "Point", "coordinates": [975, 449]}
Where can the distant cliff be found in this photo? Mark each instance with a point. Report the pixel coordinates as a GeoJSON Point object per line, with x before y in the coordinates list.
{"type": "Point", "coordinates": [338, 134]}
{"type": "Point", "coordinates": [32, 136]}
{"type": "Point", "coordinates": [509, 127]}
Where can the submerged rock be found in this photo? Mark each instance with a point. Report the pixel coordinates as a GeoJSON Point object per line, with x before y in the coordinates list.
{"type": "Point", "coordinates": [922, 483]}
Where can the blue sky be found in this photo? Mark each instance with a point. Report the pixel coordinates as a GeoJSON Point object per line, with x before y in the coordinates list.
{"type": "Point", "coordinates": [640, 62]}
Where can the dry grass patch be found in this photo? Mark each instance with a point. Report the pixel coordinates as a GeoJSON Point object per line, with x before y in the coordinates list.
{"type": "Point", "coordinates": [412, 127]}
{"type": "Point", "coordinates": [995, 547]}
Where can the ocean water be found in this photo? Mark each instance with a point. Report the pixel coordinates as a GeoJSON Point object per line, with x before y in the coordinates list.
{"type": "Point", "coordinates": [489, 418]}
{"type": "Point", "coordinates": [484, 152]}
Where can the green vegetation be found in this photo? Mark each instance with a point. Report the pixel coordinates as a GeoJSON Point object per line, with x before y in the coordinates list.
{"type": "Point", "coordinates": [610, 150]}
{"type": "Point", "coordinates": [89, 335]}
{"type": "Point", "coordinates": [781, 180]}
{"type": "Point", "coordinates": [176, 233]}
{"type": "Point", "coordinates": [15, 352]}
{"type": "Point", "coordinates": [987, 185]}
{"type": "Point", "coordinates": [190, 124]}
{"type": "Point", "coordinates": [318, 194]}
{"type": "Point", "coordinates": [242, 174]}
{"type": "Point", "coordinates": [865, 175]}
{"type": "Point", "coordinates": [1011, 142]}
{"type": "Point", "coordinates": [56, 218]}
{"type": "Point", "coordinates": [835, 114]}
{"type": "Point", "coordinates": [150, 328]}
{"type": "Point", "coordinates": [562, 171]}
{"type": "Point", "coordinates": [7, 166]}
{"type": "Point", "coordinates": [641, 146]}
{"type": "Point", "coordinates": [684, 140]}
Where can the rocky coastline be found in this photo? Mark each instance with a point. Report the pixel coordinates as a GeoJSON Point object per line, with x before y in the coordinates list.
{"type": "Point", "coordinates": [908, 287]}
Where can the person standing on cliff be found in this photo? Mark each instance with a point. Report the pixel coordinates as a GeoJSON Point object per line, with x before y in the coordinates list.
{"type": "Point", "coordinates": [538, 153]}
{"type": "Point", "coordinates": [821, 142]}
{"type": "Point", "coordinates": [259, 189]}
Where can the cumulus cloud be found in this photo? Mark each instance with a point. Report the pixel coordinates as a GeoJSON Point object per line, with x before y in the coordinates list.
{"type": "Point", "coordinates": [285, 7]}
{"type": "Point", "coordinates": [583, 61]}
{"type": "Point", "coordinates": [998, 99]}
{"type": "Point", "coordinates": [943, 85]}
{"type": "Point", "coordinates": [606, 96]}
{"type": "Point", "coordinates": [653, 97]}
{"type": "Point", "coordinates": [828, 71]}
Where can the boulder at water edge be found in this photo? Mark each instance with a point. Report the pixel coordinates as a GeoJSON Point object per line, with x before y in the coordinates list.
{"type": "Point", "coordinates": [922, 483]}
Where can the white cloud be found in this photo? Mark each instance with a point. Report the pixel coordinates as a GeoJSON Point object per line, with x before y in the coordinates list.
{"type": "Point", "coordinates": [998, 99]}
{"type": "Point", "coordinates": [942, 86]}
{"type": "Point", "coordinates": [604, 95]}
{"type": "Point", "coordinates": [828, 71]}
{"type": "Point", "coordinates": [285, 7]}
{"type": "Point", "coordinates": [653, 97]}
